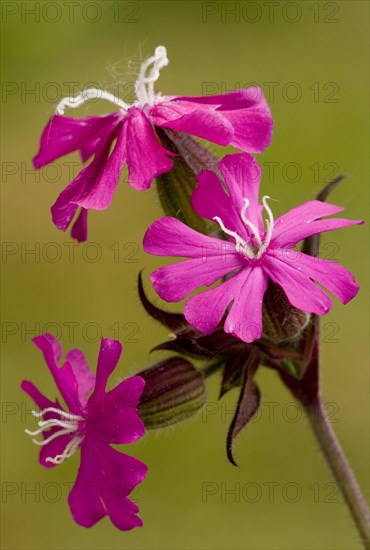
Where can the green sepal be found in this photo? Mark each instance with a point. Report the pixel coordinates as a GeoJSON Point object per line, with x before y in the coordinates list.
{"type": "Point", "coordinates": [281, 320]}
{"type": "Point", "coordinates": [176, 186]}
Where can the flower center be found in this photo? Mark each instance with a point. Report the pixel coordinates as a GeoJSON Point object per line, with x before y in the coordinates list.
{"type": "Point", "coordinates": [251, 250]}
{"type": "Point", "coordinates": [144, 86]}
{"type": "Point", "coordinates": [69, 424]}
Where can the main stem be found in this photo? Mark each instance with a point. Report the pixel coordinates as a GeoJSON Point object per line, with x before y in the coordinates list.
{"type": "Point", "coordinates": [341, 469]}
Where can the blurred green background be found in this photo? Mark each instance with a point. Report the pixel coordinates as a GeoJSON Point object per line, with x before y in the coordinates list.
{"type": "Point", "coordinates": [313, 56]}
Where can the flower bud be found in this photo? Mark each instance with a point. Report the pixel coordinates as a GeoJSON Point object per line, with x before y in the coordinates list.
{"type": "Point", "coordinates": [176, 186]}
{"type": "Point", "coordinates": [281, 320]}
{"type": "Point", "coordinates": [174, 390]}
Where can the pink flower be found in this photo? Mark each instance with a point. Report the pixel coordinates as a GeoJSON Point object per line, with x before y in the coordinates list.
{"type": "Point", "coordinates": [249, 255]}
{"type": "Point", "coordinates": [106, 477]}
{"type": "Point", "coordinates": [241, 118]}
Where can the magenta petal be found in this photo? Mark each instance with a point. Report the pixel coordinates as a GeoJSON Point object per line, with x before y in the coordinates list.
{"type": "Point", "coordinates": [109, 354]}
{"type": "Point", "coordinates": [53, 448]}
{"type": "Point", "coordinates": [56, 446]}
{"type": "Point", "coordinates": [170, 237]}
{"type": "Point", "coordinates": [296, 219]}
{"type": "Point", "coordinates": [51, 349]}
{"type": "Point", "coordinates": [205, 310]}
{"type": "Point", "coordinates": [79, 229]}
{"type": "Point", "coordinates": [331, 275]}
{"type": "Point", "coordinates": [82, 372]}
{"type": "Point", "coordinates": [126, 470]}
{"type": "Point", "coordinates": [66, 204]}
{"type": "Point", "coordinates": [188, 117]}
{"type": "Point", "coordinates": [62, 135]}
{"type": "Point", "coordinates": [116, 419]}
{"type": "Point", "coordinates": [243, 175]}
{"type": "Point", "coordinates": [90, 149]}
{"type": "Point", "coordinates": [245, 112]}
{"type": "Point", "coordinates": [63, 210]}
{"type": "Point", "coordinates": [120, 475]}
{"type": "Point", "coordinates": [252, 129]}
{"type": "Point", "coordinates": [245, 98]}
{"type": "Point", "coordinates": [39, 398]}
{"type": "Point", "coordinates": [64, 376]}
{"type": "Point", "coordinates": [245, 318]}
{"type": "Point", "coordinates": [209, 200]}
{"type": "Point", "coordinates": [300, 290]}
{"type": "Point", "coordinates": [105, 479]}
{"type": "Point", "coordinates": [128, 392]}
{"type": "Point", "coordinates": [302, 230]}
{"type": "Point", "coordinates": [100, 188]}
{"type": "Point", "coordinates": [118, 425]}
{"type": "Point", "coordinates": [84, 499]}
{"type": "Point", "coordinates": [174, 282]}
{"type": "Point", "coordinates": [122, 511]}
{"type": "Point", "coordinates": [146, 158]}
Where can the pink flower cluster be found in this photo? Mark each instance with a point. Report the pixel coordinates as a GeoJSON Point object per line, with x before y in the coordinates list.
{"type": "Point", "coordinates": [244, 254]}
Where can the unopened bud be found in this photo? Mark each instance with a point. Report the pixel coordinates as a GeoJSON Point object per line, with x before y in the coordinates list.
{"type": "Point", "coordinates": [174, 390]}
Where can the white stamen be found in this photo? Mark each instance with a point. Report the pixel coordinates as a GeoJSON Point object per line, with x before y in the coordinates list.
{"type": "Point", "coordinates": [36, 432]}
{"type": "Point", "coordinates": [65, 414]}
{"type": "Point", "coordinates": [53, 436]}
{"type": "Point", "coordinates": [158, 60]}
{"type": "Point", "coordinates": [46, 424]}
{"type": "Point", "coordinates": [70, 450]}
{"type": "Point", "coordinates": [241, 245]}
{"type": "Point", "coordinates": [270, 227]}
{"type": "Point", "coordinates": [69, 424]}
{"type": "Point", "coordinates": [90, 93]}
{"type": "Point", "coordinates": [256, 252]}
{"type": "Point", "coordinates": [144, 86]}
{"type": "Point", "coordinates": [228, 231]}
{"type": "Point", "coordinates": [49, 424]}
{"type": "Point", "coordinates": [248, 223]}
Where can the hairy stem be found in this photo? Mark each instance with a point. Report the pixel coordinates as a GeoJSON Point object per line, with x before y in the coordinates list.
{"type": "Point", "coordinates": [340, 468]}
